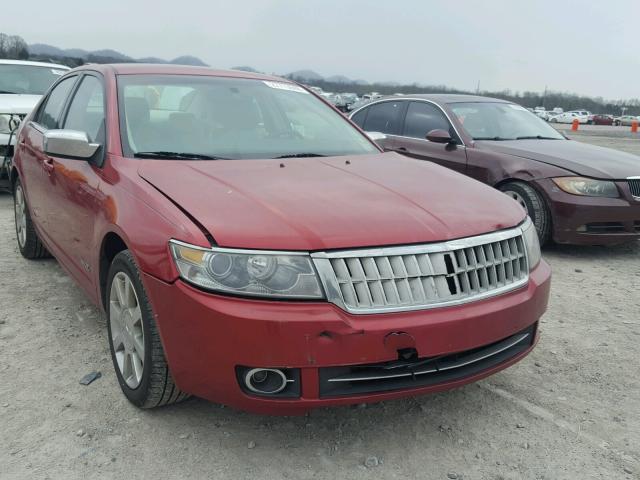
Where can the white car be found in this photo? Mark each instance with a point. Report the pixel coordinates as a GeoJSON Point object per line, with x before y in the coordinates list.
{"type": "Point", "coordinates": [569, 117]}
{"type": "Point", "coordinates": [22, 84]}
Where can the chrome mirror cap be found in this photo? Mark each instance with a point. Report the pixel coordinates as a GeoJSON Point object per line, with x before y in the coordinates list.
{"type": "Point", "coordinates": [69, 143]}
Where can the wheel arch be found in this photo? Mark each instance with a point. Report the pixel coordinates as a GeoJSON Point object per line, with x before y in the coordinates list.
{"type": "Point", "coordinates": [111, 245]}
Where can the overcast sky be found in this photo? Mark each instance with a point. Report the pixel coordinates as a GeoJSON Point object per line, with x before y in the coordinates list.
{"type": "Point", "coordinates": [587, 47]}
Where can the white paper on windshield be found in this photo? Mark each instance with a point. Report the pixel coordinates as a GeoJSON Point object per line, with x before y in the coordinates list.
{"type": "Point", "coordinates": [58, 72]}
{"type": "Point", "coordinates": [285, 86]}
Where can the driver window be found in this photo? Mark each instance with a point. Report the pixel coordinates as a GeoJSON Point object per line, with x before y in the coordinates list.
{"type": "Point", "coordinates": [86, 112]}
{"type": "Point", "coordinates": [423, 117]}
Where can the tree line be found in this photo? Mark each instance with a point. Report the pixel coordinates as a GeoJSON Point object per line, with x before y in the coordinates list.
{"type": "Point", "coordinates": [549, 100]}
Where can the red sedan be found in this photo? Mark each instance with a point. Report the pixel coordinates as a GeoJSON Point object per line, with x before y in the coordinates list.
{"type": "Point", "coordinates": [251, 246]}
{"type": "Point", "coordinates": [600, 119]}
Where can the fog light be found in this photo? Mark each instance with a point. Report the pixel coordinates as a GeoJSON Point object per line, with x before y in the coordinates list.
{"type": "Point", "coordinates": [272, 382]}
{"type": "Point", "coordinates": [265, 380]}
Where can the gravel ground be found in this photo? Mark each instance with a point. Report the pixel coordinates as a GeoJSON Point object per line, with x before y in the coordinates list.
{"type": "Point", "coordinates": [571, 410]}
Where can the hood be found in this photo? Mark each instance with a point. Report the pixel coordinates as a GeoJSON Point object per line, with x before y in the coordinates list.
{"type": "Point", "coordinates": [577, 157]}
{"type": "Point", "coordinates": [18, 103]}
{"type": "Point", "coordinates": [327, 203]}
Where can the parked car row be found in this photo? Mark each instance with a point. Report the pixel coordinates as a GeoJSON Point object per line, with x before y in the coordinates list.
{"type": "Point", "coordinates": [584, 117]}
{"type": "Point", "coordinates": [254, 247]}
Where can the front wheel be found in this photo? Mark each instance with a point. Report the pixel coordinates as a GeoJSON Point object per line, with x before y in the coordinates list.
{"type": "Point", "coordinates": [533, 204]}
{"type": "Point", "coordinates": [134, 341]}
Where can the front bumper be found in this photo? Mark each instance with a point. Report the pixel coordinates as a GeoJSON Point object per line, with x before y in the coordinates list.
{"type": "Point", "coordinates": [206, 336]}
{"type": "Point", "coordinates": [583, 220]}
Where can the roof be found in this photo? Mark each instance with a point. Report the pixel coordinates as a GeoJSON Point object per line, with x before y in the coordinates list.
{"type": "Point", "coordinates": [451, 98]}
{"type": "Point", "coordinates": [169, 69]}
{"type": "Point", "coordinates": [34, 64]}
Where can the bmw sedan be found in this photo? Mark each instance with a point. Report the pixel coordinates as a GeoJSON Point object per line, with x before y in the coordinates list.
{"type": "Point", "coordinates": [574, 193]}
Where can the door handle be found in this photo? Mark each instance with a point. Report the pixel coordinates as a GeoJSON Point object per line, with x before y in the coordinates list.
{"type": "Point", "coordinates": [401, 149]}
{"type": "Point", "coordinates": [47, 164]}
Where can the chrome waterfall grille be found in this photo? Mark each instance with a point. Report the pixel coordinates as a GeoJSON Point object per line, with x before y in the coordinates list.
{"type": "Point", "coordinates": [424, 276]}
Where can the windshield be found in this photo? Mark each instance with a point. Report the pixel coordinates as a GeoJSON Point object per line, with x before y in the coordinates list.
{"type": "Point", "coordinates": [502, 121]}
{"type": "Point", "coordinates": [229, 118]}
{"type": "Point", "coordinates": [27, 79]}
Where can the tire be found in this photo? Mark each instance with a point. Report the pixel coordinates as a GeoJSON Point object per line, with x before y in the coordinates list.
{"type": "Point", "coordinates": [29, 243]}
{"type": "Point", "coordinates": [535, 206]}
{"type": "Point", "coordinates": [155, 386]}
{"type": "Point", "coordinates": [553, 120]}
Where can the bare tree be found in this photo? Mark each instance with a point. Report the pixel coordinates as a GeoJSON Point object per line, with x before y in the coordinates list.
{"type": "Point", "coordinates": [13, 47]}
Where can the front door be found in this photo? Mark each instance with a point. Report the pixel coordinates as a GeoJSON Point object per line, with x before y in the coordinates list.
{"type": "Point", "coordinates": [74, 184]}
{"type": "Point", "coordinates": [421, 118]}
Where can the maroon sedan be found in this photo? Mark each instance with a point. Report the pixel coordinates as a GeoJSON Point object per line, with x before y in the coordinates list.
{"type": "Point", "coordinates": [251, 246]}
{"type": "Point", "coordinates": [574, 192]}
{"type": "Point", "coordinates": [600, 119]}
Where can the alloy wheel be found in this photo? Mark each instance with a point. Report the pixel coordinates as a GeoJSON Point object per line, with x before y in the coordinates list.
{"type": "Point", "coordinates": [518, 198]}
{"type": "Point", "coordinates": [127, 330]}
{"type": "Point", "coordinates": [20, 207]}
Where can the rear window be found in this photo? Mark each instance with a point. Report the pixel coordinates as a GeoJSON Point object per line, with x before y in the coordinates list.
{"type": "Point", "coordinates": [384, 117]}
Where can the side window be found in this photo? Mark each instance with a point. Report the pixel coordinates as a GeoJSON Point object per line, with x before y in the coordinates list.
{"type": "Point", "coordinates": [86, 112]}
{"type": "Point", "coordinates": [49, 114]}
{"type": "Point", "coordinates": [359, 117]}
{"type": "Point", "coordinates": [423, 117]}
{"type": "Point", "coordinates": [384, 117]}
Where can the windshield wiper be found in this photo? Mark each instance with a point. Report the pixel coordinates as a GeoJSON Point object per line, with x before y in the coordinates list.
{"type": "Point", "coordinates": [177, 155]}
{"type": "Point", "coordinates": [6, 91]}
{"type": "Point", "coordinates": [497, 139]}
{"type": "Point", "coordinates": [301, 155]}
{"type": "Point", "coordinates": [536, 137]}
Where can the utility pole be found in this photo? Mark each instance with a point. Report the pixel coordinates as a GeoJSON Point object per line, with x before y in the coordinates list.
{"type": "Point", "coordinates": [478, 88]}
{"type": "Point", "coordinates": [544, 97]}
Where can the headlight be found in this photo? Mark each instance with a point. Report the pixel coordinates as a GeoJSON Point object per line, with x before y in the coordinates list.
{"type": "Point", "coordinates": [587, 186]}
{"type": "Point", "coordinates": [531, 243]}
{"type": "Point", "coordinates": [260, 273]}
{"type": "Point", "coordinates": [4, 123]}
{"type": "Point", "coordinates": [9, 123]}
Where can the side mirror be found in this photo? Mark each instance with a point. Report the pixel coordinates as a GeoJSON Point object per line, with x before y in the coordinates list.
{"type": "Point", "coordinates": [376, 136]}
{"type": "Point", "coordinates": [439, 136]}
{"type": "Point", "coordinates": [69, 143]}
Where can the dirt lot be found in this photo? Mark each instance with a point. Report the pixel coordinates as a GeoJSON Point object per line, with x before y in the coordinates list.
{"type": "Point", "coordinates": [571, 410]}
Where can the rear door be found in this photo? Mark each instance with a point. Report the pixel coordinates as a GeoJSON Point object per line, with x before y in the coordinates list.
{"type": "Point", "coordinates": [34, 164]}
{"type": "Point", "coordinates": [420, 118]}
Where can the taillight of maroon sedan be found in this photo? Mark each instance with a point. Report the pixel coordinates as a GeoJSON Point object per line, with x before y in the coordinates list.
{"type": "Point", "coordinates": [251, 246]}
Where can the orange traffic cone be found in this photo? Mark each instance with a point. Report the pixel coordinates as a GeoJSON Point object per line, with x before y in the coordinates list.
{"type": "Point", "coordinates": [634, 126]}
{"type": "Point", "coordinates": [575, 124]}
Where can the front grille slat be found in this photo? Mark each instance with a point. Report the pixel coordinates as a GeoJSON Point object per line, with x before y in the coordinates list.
{"type": "Point", "coordinates": [429, 275]}
{"type": "Point", "coordinates": [634, 186]}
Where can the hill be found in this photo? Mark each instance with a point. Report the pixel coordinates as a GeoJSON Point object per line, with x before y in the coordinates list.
{"type": "Point", "coordinates": [45, 51]}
